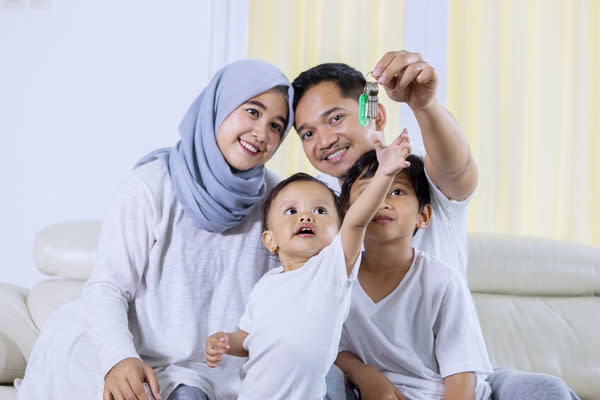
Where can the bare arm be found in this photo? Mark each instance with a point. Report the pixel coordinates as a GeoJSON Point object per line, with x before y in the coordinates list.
{"type": "Point", "coordinates": [460, 386]}
{"type": "Point", "coordinates": [449, 162]}
{"type": "Point", "coordinates": [391, 161]}
{"type": "Point", "coordinates": [372, 383]}
{"type": "Point", "coordinates": [221, 343]}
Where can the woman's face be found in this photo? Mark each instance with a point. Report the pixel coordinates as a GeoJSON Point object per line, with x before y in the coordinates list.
{"type": "Point", "coordinates": [249, 136]}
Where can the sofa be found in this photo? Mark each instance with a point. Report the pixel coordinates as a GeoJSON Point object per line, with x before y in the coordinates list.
{"type": "Point", "coordinates": [537, 300]}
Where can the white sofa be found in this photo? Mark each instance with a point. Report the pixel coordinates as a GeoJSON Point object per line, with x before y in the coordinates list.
{"type": "Point", "coordinates": [537, 301]}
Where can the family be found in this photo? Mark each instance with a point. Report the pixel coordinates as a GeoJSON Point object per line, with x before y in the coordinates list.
{"type": "Point", "coordinates": [215, 279]}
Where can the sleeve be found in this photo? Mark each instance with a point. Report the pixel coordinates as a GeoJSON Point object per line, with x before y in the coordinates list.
{"type": "Point", "coordinates": [446, 236]}
{"type": "Point", "coordinates": [121, 260]}
{"type": "Point", "coordinates": [459, 343]}
{"type": "Point", "coordinates": [330, 265]}
{"type": "Point", "coordinates": [246, 319]}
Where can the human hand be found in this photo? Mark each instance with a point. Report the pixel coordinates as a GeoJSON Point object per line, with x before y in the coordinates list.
{"type": "Point", "coordinates": [217, 344]}
{"type": "Point", "coordinates": [407, 78]}
{"type": "Point", "coordinates": [126, 381]}
{"type": "Point", "coordinates": [376, 386]}
{"type": "Point", "coordinates": [392, 158]}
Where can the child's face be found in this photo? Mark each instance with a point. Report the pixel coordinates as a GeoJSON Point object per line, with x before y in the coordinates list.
{"type": "Point", "coordinates": [249, 136]}
{"type": "Point", "coordinates": [302, 220]}
{"type": "Point", "coordinates": [398, 215]}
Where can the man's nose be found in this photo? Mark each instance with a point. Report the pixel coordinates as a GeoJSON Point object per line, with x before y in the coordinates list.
{"type": "Point", "coordinates": [327, 138]}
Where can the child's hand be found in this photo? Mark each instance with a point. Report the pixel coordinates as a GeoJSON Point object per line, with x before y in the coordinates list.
{"type": "Point", "coordinates": [216, 346]}
{"type": "Point", "coordinates": [392, 158]}
{"type": "Point", "coordinates": [126, 381]}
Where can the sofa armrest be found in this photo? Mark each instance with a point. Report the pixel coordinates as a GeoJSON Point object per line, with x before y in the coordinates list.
{"type": "Point", "coordinates": [15, 320]}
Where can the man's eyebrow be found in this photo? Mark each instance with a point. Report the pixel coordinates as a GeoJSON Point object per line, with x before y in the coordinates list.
{"type": "Point", "coordinates": [323, 115]}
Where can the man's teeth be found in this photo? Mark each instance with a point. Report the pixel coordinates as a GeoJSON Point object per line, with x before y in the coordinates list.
{"type": "Point", "coordinates": [337, 153]}
{"type": "Point", "coordinates": [248, 146]}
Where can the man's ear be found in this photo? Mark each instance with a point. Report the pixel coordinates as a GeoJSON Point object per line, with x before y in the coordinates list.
{"type": "Point", "coordinates": [381, 117]}
{"type": "Point", "coordinates": [424, 217]}
{"type": "Point", "coordinates": [269, 241]}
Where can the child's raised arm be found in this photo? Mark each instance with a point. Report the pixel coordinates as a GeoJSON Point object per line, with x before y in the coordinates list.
{"type": "Point", "coordinates": [392, 159]}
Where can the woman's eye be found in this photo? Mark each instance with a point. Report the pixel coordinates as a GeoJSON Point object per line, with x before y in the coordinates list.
{"type": "Point", "coordinates": [252, 111]}
{"type": "Point", "coordinates": [320, 210]}
{"type": "Point", "coordinates": [290, 211]}
{"type": "Point", "coordinates": [277, 127]}
{"type": "Point", "coordinates": [306, 135]}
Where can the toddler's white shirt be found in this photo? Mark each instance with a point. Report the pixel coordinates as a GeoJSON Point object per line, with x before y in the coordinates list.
{"type": "Point", "coordinates": [294, 322]}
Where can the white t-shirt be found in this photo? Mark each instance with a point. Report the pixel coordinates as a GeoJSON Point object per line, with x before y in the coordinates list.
{"type": "Point", "coordinates": [446, 235]}
{"type": "Point", "coordinates": [294, 322]}
{"type": "Point", "coordinates": [424, 330]}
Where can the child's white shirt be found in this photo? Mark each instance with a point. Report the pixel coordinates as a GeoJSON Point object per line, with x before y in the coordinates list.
{"type": "Point", "coordinates": [294, 322]}
{"type": "Point", "coordinates": [424, 330]}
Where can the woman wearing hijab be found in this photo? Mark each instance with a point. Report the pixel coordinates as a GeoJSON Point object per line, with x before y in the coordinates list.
{"type": "Point", "coordinates": [179, 252]}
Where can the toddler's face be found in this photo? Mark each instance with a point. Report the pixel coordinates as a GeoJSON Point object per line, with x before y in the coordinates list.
{"type": "Point", "coordinates": [302, 220]}
{"type": "Point", "coordinates": [249, 136]}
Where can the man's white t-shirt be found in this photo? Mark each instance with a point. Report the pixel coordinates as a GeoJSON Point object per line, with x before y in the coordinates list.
{"type": "Point", "coordinates": [294, 323]}
{"type": "Point", "coordinates": [425, 330]}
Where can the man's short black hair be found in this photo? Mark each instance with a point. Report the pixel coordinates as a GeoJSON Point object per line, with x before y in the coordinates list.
{"type": "Point", "coordinates": [300, 176]}
{"type": "Point", "coordinates": [350, 81]}
{"type": "Point", "coordinates": [366, 166]}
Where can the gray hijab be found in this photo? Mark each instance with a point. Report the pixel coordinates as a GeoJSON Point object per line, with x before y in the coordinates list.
{"type": "Point", "coordinates": [214, 195]}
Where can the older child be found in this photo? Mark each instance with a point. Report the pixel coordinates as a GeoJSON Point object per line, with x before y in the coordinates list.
{"type": "Point", "coordinates": [179, 252]}
{"type": "Point", "coordinates": [412, 330]}
{"type": "Point", "coordinates": [293, 320]}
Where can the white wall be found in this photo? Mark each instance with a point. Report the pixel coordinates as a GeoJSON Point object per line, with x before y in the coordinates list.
{"type": "Point", "coordinates": [86, 89]}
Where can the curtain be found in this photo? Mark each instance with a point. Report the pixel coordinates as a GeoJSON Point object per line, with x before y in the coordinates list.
{"type": "Point", "coordinates": [524, 83]}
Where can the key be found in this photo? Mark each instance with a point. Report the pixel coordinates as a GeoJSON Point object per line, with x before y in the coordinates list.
{"type": "Point", "coordinates": [368, 103]}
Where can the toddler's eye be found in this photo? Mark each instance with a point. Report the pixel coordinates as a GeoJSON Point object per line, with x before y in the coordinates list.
{"type": "Point", "coordinates": [290, 211]}
{"type": "Point", "coordinates": [397, 192]}
{"type": "Point", "coordinates": [320, 210]}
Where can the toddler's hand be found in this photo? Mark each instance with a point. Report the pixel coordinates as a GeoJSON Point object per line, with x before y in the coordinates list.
{"type": "Point", "coordinates": [216, 346]}
{"type": "Point", "coordinates": [392, 158]}
{"type": "Point", "coordinates": [126, 381]}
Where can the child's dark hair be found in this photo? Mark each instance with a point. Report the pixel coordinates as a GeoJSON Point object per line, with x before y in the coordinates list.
{"type": "Point", "coordinates": [366, 166]}
{"type": "Point", "coordinates": [298, 177]}
{"type": "Point", "coordinates": [350, 81]}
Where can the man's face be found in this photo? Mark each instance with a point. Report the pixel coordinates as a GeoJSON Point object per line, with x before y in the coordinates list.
{"type": "Point", "coordinates": [329, 130]}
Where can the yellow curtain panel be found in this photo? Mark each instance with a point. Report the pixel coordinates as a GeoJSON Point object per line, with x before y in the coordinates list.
{"type": "Point", "coordinates": [524, 82]}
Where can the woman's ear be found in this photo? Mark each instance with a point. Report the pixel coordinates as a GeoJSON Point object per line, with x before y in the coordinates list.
{"type": "Point", "coordinates": [269, 241]}
{"type": "Point", "coordinates": [424, 217]}
{"type": "Point", "coordinates": [381, 117]}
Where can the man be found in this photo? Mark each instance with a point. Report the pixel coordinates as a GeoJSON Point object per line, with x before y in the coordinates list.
{"type": "Point", "coordinates": [327, 121]}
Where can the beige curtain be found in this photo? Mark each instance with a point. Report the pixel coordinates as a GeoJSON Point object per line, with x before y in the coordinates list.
{"type": "Point", "coordinates": [296, 35]}
{"type": "Point", "coordinates": [524, 82]}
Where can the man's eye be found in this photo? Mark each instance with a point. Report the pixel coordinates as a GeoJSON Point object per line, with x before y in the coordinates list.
{"type": "Point", "coordinates": [306, 135]}
{"type": "Point", "coordinates": [320, 210]}
{"type": "Point", "coordinates": [337, 118]}
{"type": "Point", "coordinates": [290, 211]}
{"type": "Point", "coordinates": [252, 111]}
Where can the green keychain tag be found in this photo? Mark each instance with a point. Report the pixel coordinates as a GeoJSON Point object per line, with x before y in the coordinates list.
{"type": "Point", "coordinates": [362, 110]}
